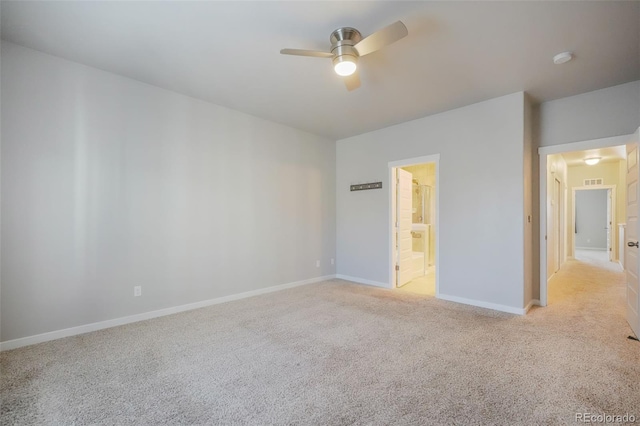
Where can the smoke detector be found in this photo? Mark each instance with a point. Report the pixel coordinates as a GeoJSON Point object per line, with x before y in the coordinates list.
{"type": "Point", "coordinates": [563, 57]}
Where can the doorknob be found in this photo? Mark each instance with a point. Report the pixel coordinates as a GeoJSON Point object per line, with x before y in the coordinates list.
{"type": "Point", "coordinates": [630, 244]}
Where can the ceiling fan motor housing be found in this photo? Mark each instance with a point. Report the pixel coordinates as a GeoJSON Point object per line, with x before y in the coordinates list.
{"type": "Point", "coordinates": [342, 42]}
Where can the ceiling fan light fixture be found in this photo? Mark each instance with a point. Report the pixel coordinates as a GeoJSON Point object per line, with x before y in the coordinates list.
{"type": "Point", "coordinates": [592, 161]}
{"type": "Point", "coordinates": [345, 65]}
{"type": "Point", "coordinates": [347, 45]}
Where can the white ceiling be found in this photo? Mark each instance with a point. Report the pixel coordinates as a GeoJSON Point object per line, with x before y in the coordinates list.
{"type": "Point", "coordinates": [607, 155]}
{"type": "Point", "coordinates": [457, 53]}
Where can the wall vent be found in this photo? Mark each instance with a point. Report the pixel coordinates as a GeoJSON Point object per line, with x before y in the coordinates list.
{"type": "Point", "coordinates": [591, 182]}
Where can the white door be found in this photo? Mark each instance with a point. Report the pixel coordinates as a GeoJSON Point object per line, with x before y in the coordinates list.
{"type": "Point", "coordinates": [631, 248]}
{"type": "Point", "coordinates": [608, 225]}
{"type": "Point", "coordinates": [403, 227]}
{"type": "Point", "coordinates": [557, 189]}
{"type": "Point", "coordinates": [551, 232]}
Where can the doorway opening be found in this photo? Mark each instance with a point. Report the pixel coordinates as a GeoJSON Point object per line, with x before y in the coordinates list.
{"type": "Point", "coordinates": [594, 216]}
{"type": "Point", "coordinates": [414, 225]}
{"type": "Point", "coordinates": [582, 206]}
{"type": "Point", "coordinates": [625, 198]}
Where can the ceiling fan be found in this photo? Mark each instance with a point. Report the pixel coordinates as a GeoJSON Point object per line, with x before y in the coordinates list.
{"type": "Point", "coordinates": [347, 45]}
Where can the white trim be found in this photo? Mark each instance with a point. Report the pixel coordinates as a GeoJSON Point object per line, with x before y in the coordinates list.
{"type": "Point", "coordinates": [534, 302]}
{"type": "Point", "coordinates": [435, 158]}
{"type": "Point", "coordinates": [87, 328]}
{"type": "Point", "coordinates": [362, 281]}
{"type": "Point", "coordinates": [481, 304]}
{"type": "Point", "coordinates": [557, 149]}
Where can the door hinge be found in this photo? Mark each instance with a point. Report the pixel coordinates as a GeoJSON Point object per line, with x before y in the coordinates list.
{"type": "Point", "coordinates": [397, 267]}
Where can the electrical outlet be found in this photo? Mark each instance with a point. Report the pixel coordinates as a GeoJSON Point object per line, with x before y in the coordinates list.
{"type": "Point", "coordinates": [317, 263]}
{"type": "Point", "coordinates": [333, 261]}
{"type": "Point", "coordinates": [137, 291]}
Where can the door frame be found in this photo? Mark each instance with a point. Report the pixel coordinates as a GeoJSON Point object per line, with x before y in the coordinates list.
{"type": "Point", "coordinates": [559, 230]}
{"type": "Point", "coordinates": [612, 213]}
{"type": "Point", "coordinates": [392, 165]}
{"type": "Point", "coordinates": [543, 153]}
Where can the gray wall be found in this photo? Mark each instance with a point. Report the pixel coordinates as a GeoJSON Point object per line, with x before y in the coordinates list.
{"type": "Point", "coordinates": [481, 197]}
{"type": "Point", "coordinates": [108, 183]}
{"type": "Point", "coordinates": [613, 111]}
{"type": "Point", "coordinates": [591, 219]}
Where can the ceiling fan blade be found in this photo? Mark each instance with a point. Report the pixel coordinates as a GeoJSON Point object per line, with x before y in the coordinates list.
{"type": "Point", "coordinates": [352, 81]}
{"type": "Point", "coordinates": [301, 52]}
{"type": "Point", "coordinates": [384, 37]}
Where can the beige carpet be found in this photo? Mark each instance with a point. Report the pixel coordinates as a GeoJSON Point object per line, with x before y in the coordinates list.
{"type": "Point", "coordinates": [336, 353]}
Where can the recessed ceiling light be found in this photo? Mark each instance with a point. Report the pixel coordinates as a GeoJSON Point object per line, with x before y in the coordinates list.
{"type": "Point", "coordinates": [592, 161]}
{"type": "Point", "coordinates": [563, 57]}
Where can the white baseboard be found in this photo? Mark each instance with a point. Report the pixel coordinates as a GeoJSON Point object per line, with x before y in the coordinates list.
{"type": "Point", "coordinates": [362, 281]}
{"type": "Point", "coordinates": [496, 307]}
{"type": "Point", "coordinates": [481, 304]}
{"type": "Point", "coordinates": [87, 328]}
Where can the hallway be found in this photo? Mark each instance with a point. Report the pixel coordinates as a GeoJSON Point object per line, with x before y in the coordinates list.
{"type": "Point", "coordinates": [589, 282]}
{"type": "Point", "coordinates": [597, 257]}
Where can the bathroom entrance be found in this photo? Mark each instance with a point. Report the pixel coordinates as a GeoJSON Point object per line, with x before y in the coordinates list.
{"type": "Point", "coordinates": [414, 230]}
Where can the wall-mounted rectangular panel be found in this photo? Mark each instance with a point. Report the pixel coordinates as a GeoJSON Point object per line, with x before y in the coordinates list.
{"type": "Point", "coordinates": [364, 186]}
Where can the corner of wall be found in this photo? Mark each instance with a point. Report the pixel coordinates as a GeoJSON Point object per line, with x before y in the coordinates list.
{"type": "Point", "coordinates": [531, 227]}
